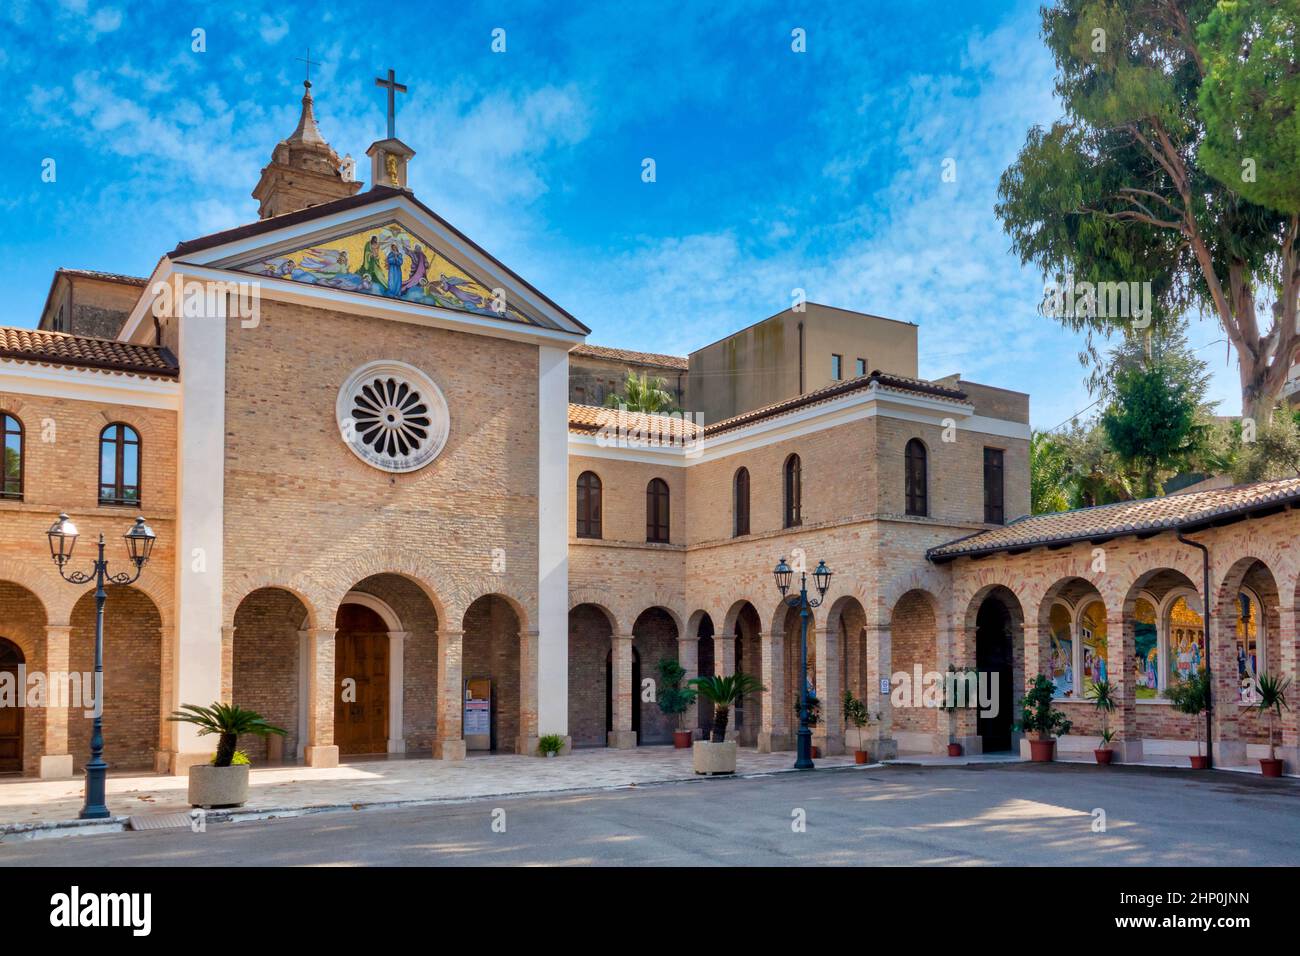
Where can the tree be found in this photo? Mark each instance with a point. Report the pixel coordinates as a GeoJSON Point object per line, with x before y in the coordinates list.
{"type": "Point", "coordinates": [1156, 419]}
{"type": "Point", "coordinates": [641, 393]}
{"type": "Point", "coordinates": [1050, 475]}
{"type": "Point", "coordinates": [1177, 163]}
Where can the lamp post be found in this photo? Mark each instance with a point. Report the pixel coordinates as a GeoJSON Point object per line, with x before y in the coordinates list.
{"type": "Point", "coordinates": [139, 543]}
{"type": "Point", "coordinates": [805, 604]}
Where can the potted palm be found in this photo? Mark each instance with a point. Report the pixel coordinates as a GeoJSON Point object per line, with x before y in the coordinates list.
{"type": "Point", "coordinates": [1102, 695]}
{"type": "Point", "coordinates": [224, 781]}
{"type": "Point", "coordinates": [718, 754]}
{"type": "Point", "coordinates": [1038, 716]}
{"type": "Point", "coordinates": [856, 714]}
{"type": "Point", "coordinates": [674, 699]}
{"type": "Point", "coordinates": [1270, 695]}
{"type": "Point", "coordinates": [1189, 696]}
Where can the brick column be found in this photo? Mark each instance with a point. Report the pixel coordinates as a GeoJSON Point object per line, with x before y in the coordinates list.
{"type": "Point", "coordinates": [321, 750]}
{"type": "Point", "coordinates": [526, 744]}
{"type": "Point", "coordinates": [622, 736]}
{"type": "Point", "coordinates": [1289, 751]}
{"type": "Point", "coordinates": [396, 691]}
{"type": "Point", "coordinates": [1120, 648]}
{"type": "Point", "coordinates": [56, 761]}
{"type": "Point", "coordinates": [774, 734]}
{"type": "Point", "coordinates": [880, 667]}
{"type": "Point", "coordinates": [449, 744]}
{"type": "Point", "coordinates": [688, 656]}
{"type": "Point", "coordinates": [227, 663]}
{"type": "Point", "coordinates": [1229, 748]}
{"type": "Point", "coordinates": [829, 734]}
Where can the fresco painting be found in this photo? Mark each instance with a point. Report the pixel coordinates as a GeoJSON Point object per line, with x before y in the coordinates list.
{"type": "Point", "coordinates": [388, 261]}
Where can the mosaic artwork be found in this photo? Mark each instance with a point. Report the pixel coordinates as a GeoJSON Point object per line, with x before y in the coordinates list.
{"type": "Point", "coordinates": [387, 261]}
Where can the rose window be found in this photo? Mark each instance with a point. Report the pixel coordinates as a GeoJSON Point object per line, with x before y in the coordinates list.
{"type": "Point", "coordinates": [392, 416]}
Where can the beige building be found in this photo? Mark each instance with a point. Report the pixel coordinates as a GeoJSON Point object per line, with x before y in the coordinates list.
{"type": "Point", "coordinates": [383, 523]}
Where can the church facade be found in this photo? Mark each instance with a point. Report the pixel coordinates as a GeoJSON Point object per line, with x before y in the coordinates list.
{"type": "Point", "coordinates": [383, 522]}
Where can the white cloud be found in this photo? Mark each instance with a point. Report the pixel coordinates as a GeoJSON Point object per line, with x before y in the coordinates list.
{"type": "Point", "coordinates": [106, 20]}
{"type": "Point", "coordinates": [273, 29]}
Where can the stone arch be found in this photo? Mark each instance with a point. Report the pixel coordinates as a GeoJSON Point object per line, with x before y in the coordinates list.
{"type": "Point", "coordinates": [654, 636]}
{"type": "Point", "coordinates": [54, 596]}
{"type": "Point", "coordinates": [268, 659]}
{"type": "Point", "coordinates": [245, 584]}
{"type": "Point", "coordinates": [994, 633]}
{"type": "Point", "coordinates": [592, 628]}
{"type": "Point", "coordinates": [492, 641]}
{"type": "Point", "coordinates": [23, 622]}
{"type": "Point", "coordinates": [914, 643]}
{"type": "Point", "coordinates": [1072, 612]}
{"type": "Point", "coordinates": [1249, 637]}
{"type": "Point", "coordinates": [449, 600]}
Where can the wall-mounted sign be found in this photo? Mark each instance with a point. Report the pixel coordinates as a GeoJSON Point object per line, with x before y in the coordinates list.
{"type": "Point", "coordinates": [477, 714]}
{"type": "Point", "coordinates": [884, 685]}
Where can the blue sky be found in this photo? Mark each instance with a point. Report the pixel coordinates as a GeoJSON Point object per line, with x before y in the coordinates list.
{"type": "Point", "coordinates": [775, 170]}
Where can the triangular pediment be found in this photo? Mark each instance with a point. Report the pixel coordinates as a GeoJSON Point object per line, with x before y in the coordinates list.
{"type": "Point", "coordinates": [387, 259]}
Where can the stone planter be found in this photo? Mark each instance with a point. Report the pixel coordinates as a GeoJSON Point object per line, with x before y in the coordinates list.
{"type": "Point", "coordinates": [711, 758]}
{"type": "Point", "coordinates": [215, 787]}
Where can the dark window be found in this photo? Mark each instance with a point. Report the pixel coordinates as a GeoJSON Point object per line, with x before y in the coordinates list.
{"type": "Point", "coordinates": [917, 499]}
{"type": "Point", "coordinates": [11, 480]}
{"type": "Point", "coordinates": [656, 511]}
{"type": "Point", "coordinates": [862, 366]}
{"type": "Point", "coordinates": [119, 465]}
{"type": "Point", "coordinates": [740, 503]}
{"type": "Point", "coordinates": [994, 513]}
{"type": "Point", "coordinates": [793, 493]}
{"type": "Point", "coordinates": [837, 367]}
{"type": "Point", "coordinates": [589, 505]}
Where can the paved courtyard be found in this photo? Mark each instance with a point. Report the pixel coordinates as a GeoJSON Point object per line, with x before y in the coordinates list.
{"type": "Point", "coordinates": [947, 816]}
{"type": "Point", "coordinates": [391, 781]}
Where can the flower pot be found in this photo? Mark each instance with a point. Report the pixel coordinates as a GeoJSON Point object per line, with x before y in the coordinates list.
{"type": "Point", "coordinates": [1199, 762]}
{"type": "Point", "coordinates": [711, 758]}
{"type": "Point", "coordinates": [551, 753]}
{"type": "Point", "coordinates": [861, 756]}
{"type": "Point", "coordinates": [1040, 751]}
{"type": "Point", "coordinates": [681, 739]}
{"type": "Point", "coordinates": [214, 787]}
{"type": "Point", "coordinates": [1103, 756]}
{"type": "Point", "coordinates": [954, 750]}
{"type": "Point", "coordinates": [1270, 768]}
{"type": "Point", "coordinates": [816, 752]}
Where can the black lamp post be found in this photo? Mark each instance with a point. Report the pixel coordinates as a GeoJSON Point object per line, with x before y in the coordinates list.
{"type": "Point", "coordinates": [822, 580]}
{"type": "Point", "coordinates": [139, 543]}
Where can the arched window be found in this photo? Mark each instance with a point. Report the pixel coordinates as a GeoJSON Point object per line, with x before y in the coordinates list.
{"type": "Point", "coordinates": [1186, 641]}
{"type": "Point", "coordinates": [11, 479]}
{"type": "Point", "coordinates": [740, 503]}
{"type": "Point", "coordinates": [119, 465]}
{"type": "Point", "coordinates": [917, 497]}
{"type": "Point", "coordinates": [793, 493]}
{"type": "Point", "coordinates": [589, 505]}
{"type": "Point", "coordinates": [656, 511]}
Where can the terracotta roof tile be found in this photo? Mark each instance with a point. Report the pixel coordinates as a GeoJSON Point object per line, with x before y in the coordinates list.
{"type": "Point", "coordinates": [1124, 518]}
{"type": "Point", "coordinates": [58, 348]}
{"type": "Point", "coordinates": [668, 429]}
{"type": "Point", "coordinates": [627, 355]}
{"type": "Point", "coordinates": [106, 276]}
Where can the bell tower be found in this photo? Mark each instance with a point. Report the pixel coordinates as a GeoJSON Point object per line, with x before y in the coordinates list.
{"type": "Point", "coordinates": [304, 169]}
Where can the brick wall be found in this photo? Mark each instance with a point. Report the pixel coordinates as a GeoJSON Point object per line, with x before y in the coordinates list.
{"type": "Point", "coordinates": [266, 662]}
{"type": "Point", "coordinates": [655, 638]}
{"type": "Point", "coordinates": [590, 638]}
{"type": "Point", "coordinates": [491, 647]}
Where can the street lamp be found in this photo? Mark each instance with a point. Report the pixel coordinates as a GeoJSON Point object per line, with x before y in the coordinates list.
{"type": "Point", "coordinates": [822, 581]}
{"type": "Point", "coordinates": [139, 545]}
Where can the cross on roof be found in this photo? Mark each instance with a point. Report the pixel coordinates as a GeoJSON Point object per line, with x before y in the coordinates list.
{"type": "Point", "coordinates": [310, 63]}
{"type": "Point", "coordinates": [393, 87]}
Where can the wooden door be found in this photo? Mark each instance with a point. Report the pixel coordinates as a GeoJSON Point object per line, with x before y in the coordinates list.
{"type": "Point", "coordinates": [11, 718]}
{"type": "Point", "coordinates": [360, 682]}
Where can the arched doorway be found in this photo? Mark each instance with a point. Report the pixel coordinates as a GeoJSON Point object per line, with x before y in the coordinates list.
{"type": "Point", "coordinates": [591, 630]}
{"type": "Point", "coordinates": [11, 718]}
{"type": "Point", "coordinates": [636, 693]}
{"type": "Point", "coordinates": [994, 654]}
{"type": "Point", "coordinates": [360, 681]}
{"type": "Point", "coordinates": [493, 629]}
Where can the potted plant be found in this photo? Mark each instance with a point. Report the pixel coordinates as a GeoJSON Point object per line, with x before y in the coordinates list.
{"type": "Point", "coordinates": [674, 699]}
{"type": "Point", "coordinates": [1102, 695]}
{"type": "Point", "coordinates": [224, 781]}
{"type": "Point", "coordinates": [1189, 696]}
{"type": "Point", "coordinates": [856, 714]}
{"type": "Point", "coordinates": [814, 716]}
{"type": "Point", "coordinates": [1270, 695]}
{"type": "Point", "coordinates": [550, 745]}
{"type": "Point", "coordinates": [718, 754]}
{"type": "Point", "coordinates": [1038, 716]}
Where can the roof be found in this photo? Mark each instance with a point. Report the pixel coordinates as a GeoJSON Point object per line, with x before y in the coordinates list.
{"type": "Point", "coordinates": [588, 419]}
{"type": "Point", "coordinates": [884, 380]}
{"type": "Point", "coordinates": [81, 351]}
{"type": "Point", "coordinates": [104, 276]}
{"type": "Point", "coordinates": [1192, 511]}
{"type": "Point", "coordinates": [678, 362]}
{"type": "Point", "coordinates": [373, 195]}
{"type": "Point", "coordinates": [637, 426]}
